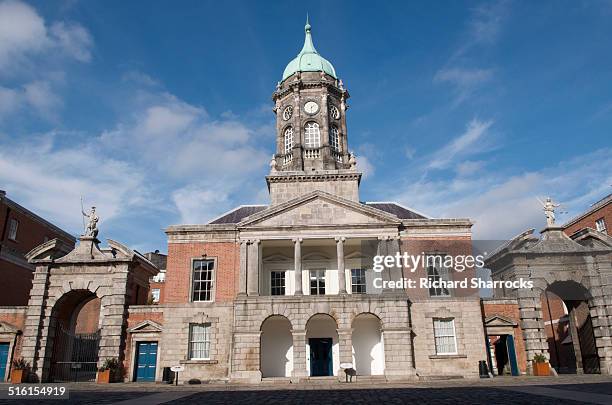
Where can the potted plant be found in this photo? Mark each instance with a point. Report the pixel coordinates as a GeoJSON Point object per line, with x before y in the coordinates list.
{"type": "Point", "coordinates": [20, 370]}
{"type": "Point", "coordinates": [108, 371]}
{"type": "Point", "coordinates": [540, 365]}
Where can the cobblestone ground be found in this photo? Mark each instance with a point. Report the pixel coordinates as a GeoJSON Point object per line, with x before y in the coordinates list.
{"type": "Point", "coordinates": [527, 391]}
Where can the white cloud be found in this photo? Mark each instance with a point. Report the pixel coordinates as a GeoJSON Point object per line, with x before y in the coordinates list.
{"type": "Point", "coordinates": [468, 143]}
{"type": "Point", "coordinates": [198, 204]}
{"type": "Point", "coordinates": [486, 21]}
{"type": "Point", "coordinates": [9, 101]}
{"type": "Point", "coordinates": [73, 39]}
{"type": "Point", "coordinates": [167, 155]}
{"type": "Point", "coordinates": [503, 205]}
{"type": "Point", "coordinates": [50, 180]}
{"type": "Point", "coordinates": [40, 96]}
{"type": "Point", "coordinates": [365, 166]}
{"type": "Point", "coordinates": [24, 34]}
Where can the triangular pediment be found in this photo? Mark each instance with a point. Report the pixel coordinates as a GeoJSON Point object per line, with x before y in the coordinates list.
{"type": "Point", "coordinates": [319, 208]}
{"type": "Point", "coordinates": [146, 326]}
{"type": "Point", "coordinates": [6, 327]}
{"type": "Point", "coordinates": [499, 320]}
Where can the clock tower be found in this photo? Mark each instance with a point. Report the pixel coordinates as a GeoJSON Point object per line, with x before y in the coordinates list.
{"type": "Point", "coordinates": [311, 134]}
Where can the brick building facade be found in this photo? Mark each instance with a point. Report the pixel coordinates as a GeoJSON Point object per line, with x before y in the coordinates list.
{"type": "Point", "coordinates": [288, 291]}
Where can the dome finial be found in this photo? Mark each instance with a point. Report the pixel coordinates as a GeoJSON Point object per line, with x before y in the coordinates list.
{"type": "Point", "coordinates": [307, 26]}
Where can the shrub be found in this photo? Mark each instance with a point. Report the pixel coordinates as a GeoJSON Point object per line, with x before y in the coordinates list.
{"type": "Point", "coordinates": [539, 358]}
{"type": "Point", "coordinates": [21, 364]}
{"type": "Point", "coordinates": [110, 364]}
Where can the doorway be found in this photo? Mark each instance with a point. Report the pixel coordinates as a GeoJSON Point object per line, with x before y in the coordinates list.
{"type": "Point", "coordinates": [320, 357]}
{"type": "Point", "coordinates": [505, 355]}
{"type": "Point", "coordinates": [146, 361]}
{"type": "Point", "coordinates": [4, 355]}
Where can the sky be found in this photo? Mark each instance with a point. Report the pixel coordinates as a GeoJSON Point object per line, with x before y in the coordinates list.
{"type": "Point", "coordinates": [160, 112]}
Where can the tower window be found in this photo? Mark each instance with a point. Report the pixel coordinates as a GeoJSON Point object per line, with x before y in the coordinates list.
{"type": "Point", "coordinates": [334, 138]}
{"type": "Point", "coordinates": [312, 135]}
{"type": "Point", "coordinates": [288, 140]}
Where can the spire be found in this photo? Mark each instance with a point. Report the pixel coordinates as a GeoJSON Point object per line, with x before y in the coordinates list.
{"type": "Point", "coordinates": [309, 60]}
{"type": "Point", "coordinates": [308, 45]}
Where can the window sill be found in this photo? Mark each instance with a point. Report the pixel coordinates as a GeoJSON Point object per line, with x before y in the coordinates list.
{"type": "Point", "coordinates": [448, 356]}
{"type": "Point", "coordinates": [198, 361]}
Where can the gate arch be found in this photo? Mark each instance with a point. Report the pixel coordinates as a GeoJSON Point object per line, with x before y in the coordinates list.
{"type": "Point", "coordinates": [74, 336]}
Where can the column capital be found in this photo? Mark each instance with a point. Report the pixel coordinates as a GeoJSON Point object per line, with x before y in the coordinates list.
{"type": "Point", "coordinates": [300, 240]}
{"type": "Point", "coordinates": [340, 239]}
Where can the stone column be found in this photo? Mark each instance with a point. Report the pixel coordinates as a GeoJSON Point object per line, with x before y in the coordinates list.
{"type": "Point", "coordinates": [395, 272]}
{"type": "Point", "coordinates": [532, 323]}
{"type": "Point", "coordinates": [383, 250]}
{"type": "Point", "coordinates": [341, 267]}
{"type": "Point", "coordinates": [299, 355]}
{"type": "Point", "coordinates": [113, 318]}
{"type": "Point", "coordinates": [242, 282]}
{"type": "Point", "coordinates": [297, 253]}
{"type": "Point", "coordinates": [573, 329]}
{"type": "Point", "coordinates": [600, 308]}
{"type": "Point", "coordinates": [345, 344]}
{"type": "Point", "coordinates": [36, 329]}
{"type": "Point", "coordinates": [253, 268]}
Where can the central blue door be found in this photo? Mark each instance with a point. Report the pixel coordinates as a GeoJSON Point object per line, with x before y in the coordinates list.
{"type": "Point", "coordinates": [512, 355]}
{"type": "Point", "coordinates": [4, 350]}
{"type": "Point", "coordinates": [146, 361]}
{"type": "Point", "coordinates": [320, 357]}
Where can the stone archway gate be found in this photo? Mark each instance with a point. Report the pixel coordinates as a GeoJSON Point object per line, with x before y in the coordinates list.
{"type": "Point", "coordinates": [585, 259]}
{"type": "Point", "coordinates": [115, 275]}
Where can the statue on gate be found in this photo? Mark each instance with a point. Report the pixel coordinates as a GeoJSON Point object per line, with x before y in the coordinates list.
{"type": "Point", "coordinates": [91, 228]}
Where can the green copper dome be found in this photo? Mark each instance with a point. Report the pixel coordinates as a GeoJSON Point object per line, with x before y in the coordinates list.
{"type": "Point", "coordinates": [309, 60]}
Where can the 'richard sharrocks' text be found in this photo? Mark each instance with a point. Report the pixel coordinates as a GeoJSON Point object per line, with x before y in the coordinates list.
{"type": "Point", "coordinates": [427, 283]}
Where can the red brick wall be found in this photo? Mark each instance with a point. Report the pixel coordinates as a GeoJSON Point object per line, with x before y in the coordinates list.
{"type": "Point", "coordinates": [589, 221]}
{"type": "Point", "coordinates": [17, 280]}
{"type": "Point", "coordinates": [452, 246]}
{"type": "Point", "coordinates": [161, 287]}
{"type": "Point", "coordinates": [16, 284]}
{"type": "Point", "coordinates": [88, 318]}
{"type": "Point", "coordinates": [30, 233]}
{"type": "Point", "coordinates": [511, 311]}
{"type": "Point", "coordinates": [178, 275]}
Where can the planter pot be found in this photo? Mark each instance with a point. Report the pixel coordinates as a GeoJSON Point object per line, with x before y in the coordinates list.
{"type": "Point", "coordinates": [104, 377]}
{"type": "Point", "coordinates": [17, 376]}
{"type": "Point", "coordinates": [541, 369]}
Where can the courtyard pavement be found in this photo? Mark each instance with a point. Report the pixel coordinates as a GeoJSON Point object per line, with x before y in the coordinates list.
{"type": "Point", "coordinates": [592, 389]}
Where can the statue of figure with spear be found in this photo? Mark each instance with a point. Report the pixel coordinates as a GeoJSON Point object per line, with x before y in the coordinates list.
{"type": "Point", "coordinates": [91, 229]}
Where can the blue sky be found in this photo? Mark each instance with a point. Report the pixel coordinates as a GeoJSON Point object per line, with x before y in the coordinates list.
{"type": "Point", "coordinates": [160, 113]}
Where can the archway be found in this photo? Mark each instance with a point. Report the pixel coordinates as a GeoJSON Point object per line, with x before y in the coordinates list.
{"type": "Point", "coordinates": [74, 328]}
{"type": "Point", "coordinates": [276, 347]}
{"type": "Point", "coordinates": [569, 329]}
{"type": "Point", "coordinates": [368, 351]}
{"type": "Point", "coordinates": [323, 353]}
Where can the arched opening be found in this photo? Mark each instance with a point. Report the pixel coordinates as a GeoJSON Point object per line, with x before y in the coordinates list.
{"type": "Point", "coordinates": [276, 345]}
{"type": "Point", "coordinates": [323, 354]}
{"type": "Point", "coordinates": [74, 336]}
{"type": "Point", "coordinates": [569, 329]}
{"type": "Point", "coordinates": [368, 351]}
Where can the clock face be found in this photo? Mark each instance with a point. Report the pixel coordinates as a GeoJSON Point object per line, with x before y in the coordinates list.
{"type": "Point", "coordinates": [287, 113]}
{"type": "Point", "coordinates": [311, 107]}
{"type": "Point", "coordinates": [334, 112]}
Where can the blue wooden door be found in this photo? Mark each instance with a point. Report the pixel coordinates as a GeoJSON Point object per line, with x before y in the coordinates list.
{"type": "Point", "coordinates": [146, 355]}
{"type": "Point", "coordinates": [512, 355]}
{"type": "Point", "coordinates": [320, 357]}
{"type": "Point", "coordinates": [4, 351]}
